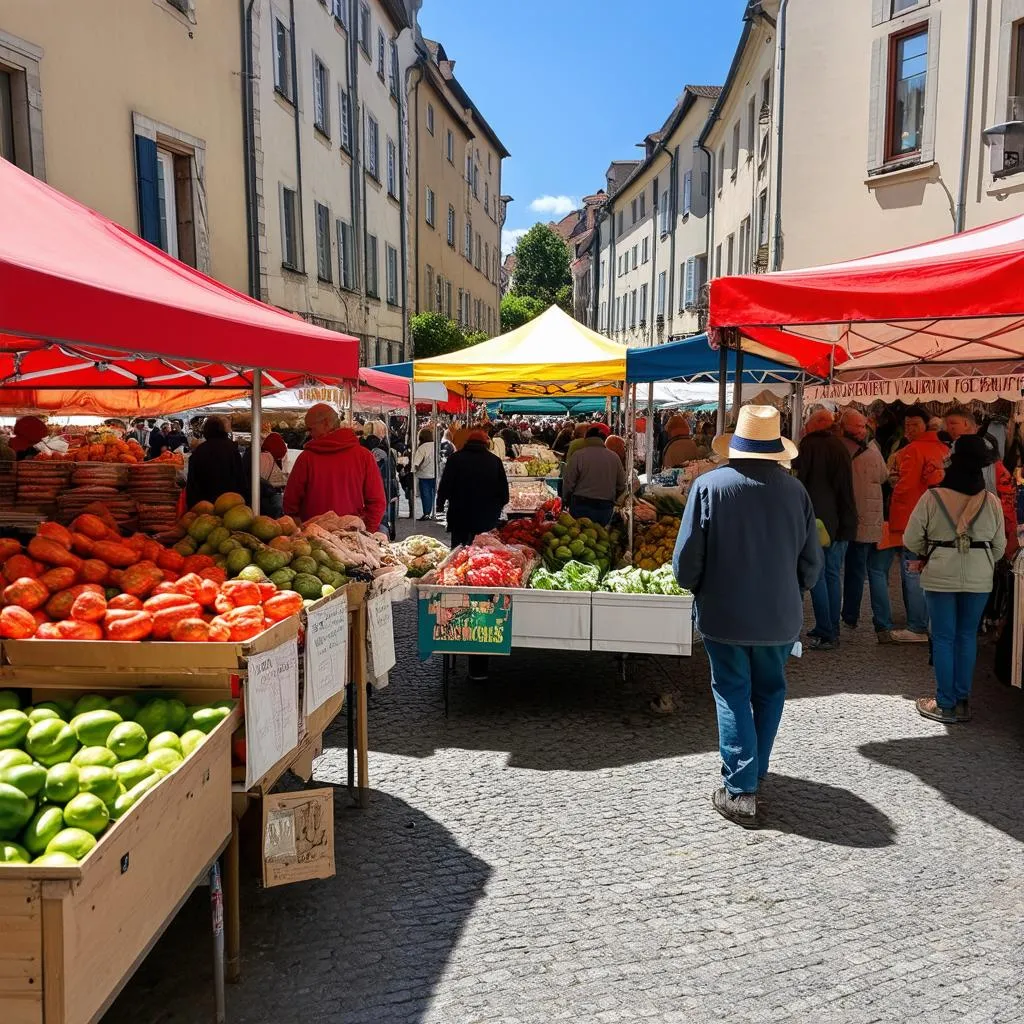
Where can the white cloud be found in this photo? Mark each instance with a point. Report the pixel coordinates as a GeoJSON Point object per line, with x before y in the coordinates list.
{"type": "Point", "coordinates": [510, 238]}
{"type": "Point", "coordinates": [554, 206]}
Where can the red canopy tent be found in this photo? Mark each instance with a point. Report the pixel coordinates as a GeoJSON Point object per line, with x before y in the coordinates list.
{"type": "Point", "coordinates": [95, 320]}
{"type": "Point", "coordinates": [379, 389]}
{"type": "Point", "coordinates": [956, 304]}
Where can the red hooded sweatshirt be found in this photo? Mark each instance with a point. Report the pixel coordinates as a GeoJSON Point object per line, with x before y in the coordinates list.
{"type": "Point", "coordinates": [335, 473]}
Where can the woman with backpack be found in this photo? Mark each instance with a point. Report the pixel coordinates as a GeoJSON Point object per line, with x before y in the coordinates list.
{"type": "Point", "coordinates": [956, 530]}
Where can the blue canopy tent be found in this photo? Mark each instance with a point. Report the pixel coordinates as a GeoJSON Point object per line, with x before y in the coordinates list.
{"type": "Point", "coordinates": [694, 361]}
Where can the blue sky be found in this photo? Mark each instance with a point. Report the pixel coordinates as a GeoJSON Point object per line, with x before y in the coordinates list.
{"type": "Point", "coordinates": [570, 85]}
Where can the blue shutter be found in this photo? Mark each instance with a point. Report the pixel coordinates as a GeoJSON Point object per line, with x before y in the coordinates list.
{"type": "Point", "coordinates": [149, 199]}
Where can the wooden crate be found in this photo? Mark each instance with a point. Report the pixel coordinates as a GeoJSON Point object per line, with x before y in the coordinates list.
{"type": "Point", "coordinates": [70, 938]}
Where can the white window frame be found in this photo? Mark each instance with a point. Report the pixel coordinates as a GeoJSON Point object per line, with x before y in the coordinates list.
{"type": "Point", "coordinates": [382, 49]}
{"type": "Point", "coordinates": [687, 192]}
{"type": "Point", "coordinates": [662, 293]}
{"type": "Point", "coordinates": [289, 202]}
{"type": "Point", "coordinates": [449, 145]}
{"type": "Point", "coordinates": [168, 202]}
{"type": "Point", "coordinates": [321, 97]}
{"type": "Point", "coordinates": [467, 242]}
{"type": "Point", "coordinates": [344, 119]}
{"type": "Point", "coordinates": [283, 73]}
{"type": "Point", "coordinates": [392, 167]}
{"type": "Point", "coordinates": [644, 249]}
{"type": "Point", "coordinates": [322, 234]}
{"type": "Point", "coordinates": [364, 28]}
{"type": "Point", "coordinates": [430, 205]}
{"type": "Point", "coordinates": [643, 304]}
{"type": "Point", "coordinates": [371, 154]}
{"type": "Point", "coordinates": [391, 269]}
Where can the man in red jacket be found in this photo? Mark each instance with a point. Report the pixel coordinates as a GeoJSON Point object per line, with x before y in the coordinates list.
{"type": "Point", "coordinates": [334, 473]}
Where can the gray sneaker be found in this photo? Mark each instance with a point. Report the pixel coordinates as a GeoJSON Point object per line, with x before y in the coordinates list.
{"type": "Point", "coordinates": [738, 807]}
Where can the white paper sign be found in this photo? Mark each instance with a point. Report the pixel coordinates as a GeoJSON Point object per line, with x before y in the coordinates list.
{"type": "Point", "coordinates": [380, 628]}
{"type": "Point", "coordinates": [271, 709]}
{"type": "Point", "coordinates": [326, 652]}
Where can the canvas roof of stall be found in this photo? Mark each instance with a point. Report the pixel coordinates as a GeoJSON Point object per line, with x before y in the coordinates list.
{"type": "Point", "coordinates": [553, 354]}
{"type": "Point", "coordinates": [694, 360]}
{"type": "Point", "coordinates": [87, 306]}
{"type": "Point", "coordinates": [956, 302]}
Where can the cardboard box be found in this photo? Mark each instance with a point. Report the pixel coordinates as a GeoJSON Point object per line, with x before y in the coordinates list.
{"type": "Point", "coordinates": [298, 836]}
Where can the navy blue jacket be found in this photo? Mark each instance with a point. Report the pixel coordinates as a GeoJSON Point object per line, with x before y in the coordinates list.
{"type": "Point", "coordinates": [748, 548]}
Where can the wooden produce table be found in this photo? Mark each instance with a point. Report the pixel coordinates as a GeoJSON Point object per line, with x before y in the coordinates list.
{"type": "Point", "coordinates": [70, 938]}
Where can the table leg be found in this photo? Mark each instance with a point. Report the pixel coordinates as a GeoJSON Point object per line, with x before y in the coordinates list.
{"type": "Point", "coordinates": [350, 708]}
{"type": "Point", "coordinates": [361, 684]}
{"type": "Point", "coordinates": [232, 903]}
{"type": "Point", "coordinates": [445, 679]}
{"type": "Point", "coordinates": [217, 912]}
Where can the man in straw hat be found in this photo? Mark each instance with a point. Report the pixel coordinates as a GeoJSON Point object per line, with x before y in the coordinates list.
{"type": "Point", "coordinates": [748, 548]}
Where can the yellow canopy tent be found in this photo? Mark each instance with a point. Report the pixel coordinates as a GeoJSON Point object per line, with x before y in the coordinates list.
{"type": "Point", "coordinates": [551, 355]}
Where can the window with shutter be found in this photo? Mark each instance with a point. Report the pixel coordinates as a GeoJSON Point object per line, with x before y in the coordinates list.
{"type": "Point", "coordinates": [392, 170]}
{"type": "Point", "coordinates": [662, 289]}
{"type": "Point", "coordinates": [282, 59]}
{"type": "Point", "coordinates": [146, 172]}
{"type": "Point", "coordinates": [346, 256]}
{"type": "Point", "coordinates": [321, 92]}
{"type": "Point", "coordinates": [381, 50]}
{"type": "Point", "coordinates": [364, 28]}
{"type": "Point", "coordinates": [372, 146]}
{"type": "Point", "coordinates": [391, 257]}
{"type": "Point", "coordinates": [291, 248]}
{"type": "Point", "coordinates": [372, 286]}
{"type": "Point", "coordinates": [344, 115]}
{"type": "Point", "coordinates": [322, 221]}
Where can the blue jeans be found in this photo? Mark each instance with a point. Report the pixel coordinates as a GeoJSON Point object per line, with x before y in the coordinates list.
{"type": "Point", "coordinates": [913, 594]}
{"type": "Point", "coordinates": [826, 594]}
{"type": "Point", "coordinates": [749, 684]}
{"type": "Point", "coordinates": [955, 620]}
{"type": "Point", "coordinates": [599, 511]}
{"type": "Point", "coordinates": [865, 560]}
{"type": "Point", "coordinates": [427, 487]}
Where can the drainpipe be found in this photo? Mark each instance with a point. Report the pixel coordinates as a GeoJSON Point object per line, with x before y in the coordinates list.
{"type": "Point", "coordinates": [965, 157]}
{"type": "Point", "coordinates": [654, 268]}
{"type": "Point", "coordinates": [249, 150]}
{"type": "Point", "coordinates": [355, 122]}
{"type": "Point", "coordinates": [709, 214]}
{"type": "Point", "coordinates": [403, 207]}
{"type": "Point", "coordinates": [298, 131]}
{"type": "Point", "coordinates": [673, 212]}
{"type": "Point", "coordinates": [418, 69]}
{"type": "Point", "coordinates": [612, 269]}
{"type": "Point", "coordinates": [780, 92]}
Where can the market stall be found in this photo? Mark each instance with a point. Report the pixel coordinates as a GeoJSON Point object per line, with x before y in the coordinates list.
{"type": "Point", "coordinates": [944, 318]}
{"type": "Point", "coordinates": [549, 581]}
{"type": "Point", "coordinates": [123, 646]}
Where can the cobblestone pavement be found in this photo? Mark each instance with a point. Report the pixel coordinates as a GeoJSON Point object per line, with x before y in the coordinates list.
{"type": "Point", "coordinates": [549, 853]}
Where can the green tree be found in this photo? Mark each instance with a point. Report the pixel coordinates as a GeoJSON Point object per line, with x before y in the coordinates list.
{"type": "Point", "coordinates": [542, 265]}
{"type": "Point", "coordinates": [517, 310]}
{"type": "Point", "coordinates": [433, 334]}
{"type": "Point", "coordinates": [475, 338]}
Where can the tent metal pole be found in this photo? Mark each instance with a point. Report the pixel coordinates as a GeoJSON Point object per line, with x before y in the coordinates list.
{"type": "Point", "coordinates": [255, 429]}
{"type": "Point", "coordinates": [737, 387]}
{"type": "Point", "coordinates": [437, 457]}
{"type": "Point", "coordinates": [649, 448]}
{"type": "Point", "coordinates": [412, 449]}
{"type": "Point", "coordinates": [723, 387]}
{"type": "Point", "coordinates": [630, 400]}
{"type": "Point", "coordinates": [797, 411]}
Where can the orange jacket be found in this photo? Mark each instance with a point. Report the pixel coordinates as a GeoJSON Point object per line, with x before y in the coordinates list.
{"type": "Point", "coordinates": [916, 468]}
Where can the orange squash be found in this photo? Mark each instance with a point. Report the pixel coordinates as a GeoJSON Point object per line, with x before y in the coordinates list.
{"type": "Point", "coordinates": [95, 571]}
{"type": "Point", "coordinates": [92, 526]}
{"type": "Point", "coordinates": [59, 606]}
{"type": "Point", "coordinates": [88, 607]}
{"type": "Point", "coordinates": [208, 592]}
{"type": "Point", "coordinates": [58, 578]}
{"type": "Point", "coordinates": [161, 602]}
{"type": "Point", "coordinates": [163, 621]}
{"type": "Point", "coordinates": [168, 559]}
{"type": "Point", "coordinates": [190, 631]}
{"type": "Point", "coordinates": [282, 605]}
{"type": "Point", "coordinates": [197, 563]}
{"type": "Point", "coordinates": [140, 579]}
{"type": "Point", "coordinates": [116, 554]}
{"type": "Point", "coordinates": [17, 623]}
{"type": "Point", "coordinates": [191, 584]}
{"type": "Point", "coordinates": [48, 631]}
{"type": "Point", "coordinates": [18, 566]}
{"type": "Point", "coordinates": [27, 593]}
{"type": "Point", "coordinates": [55, 532]}
{"type": "Point", "coordinates": [125, 624]}
{"type": "Point", "coordinates": [8, 547]}
{"type": "Point", "coordinates": [125, 602]}
{"type": "Point", "coordinates": [49, 551]}
{"type": "Point", "coordinates": [245, 622]}
{"type": "Point", "coordinates": [241, 592]}
{"type": "Point", "coordinates": [82, 545]}
{"type": "Point", "coordinates": [74, 629]}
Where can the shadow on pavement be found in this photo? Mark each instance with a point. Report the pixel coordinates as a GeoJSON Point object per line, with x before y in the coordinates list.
{"type": "Point", "coordinates": [826, 814]}
{"type": "Point", "coordinates": [369, 944]}
{"type": "Point", "coordinates": [974, 772]}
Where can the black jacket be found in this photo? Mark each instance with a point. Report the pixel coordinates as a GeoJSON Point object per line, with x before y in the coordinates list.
{"type": "Point", "coordinates": [214, 468]}
{"type": "Point", "coordinates": [476, 489]}
{"type": "Point", "coordinates": [826, 470]}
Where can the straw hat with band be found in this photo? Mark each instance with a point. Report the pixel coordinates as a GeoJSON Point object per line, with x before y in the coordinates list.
{"type": "Point", "coordinates": [758, 435]}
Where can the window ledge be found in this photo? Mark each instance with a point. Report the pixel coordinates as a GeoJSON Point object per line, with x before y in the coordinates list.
{"type": "Point", "coordinates": [324, 136]}
{"type": "Point", "coordinates": [901, 175]}
{"type": "Point", "coordinates": [324, 280]}
{"type": "Point", "coordinates": [1012, 184]}
{"type": "Point", "coordinates": [282, 95]}
{"type": "Point", "coordinates": [292, 269]}
{"type": "Point", "coordinates": [373, 178]}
